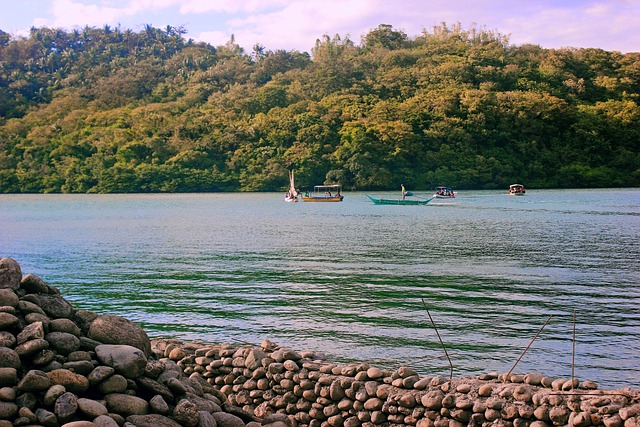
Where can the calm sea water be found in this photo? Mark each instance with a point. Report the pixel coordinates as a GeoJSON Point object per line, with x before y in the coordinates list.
{"type": "Point", "coordinates": [355, 280]}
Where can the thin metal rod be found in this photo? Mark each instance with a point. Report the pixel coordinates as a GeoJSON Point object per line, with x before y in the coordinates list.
{"type": "Point", "coordinates": [525, 350]}
{"type": "Point", "coordinates": [441, 343]}
{"type": "Point", "coordinates": [573, 353]}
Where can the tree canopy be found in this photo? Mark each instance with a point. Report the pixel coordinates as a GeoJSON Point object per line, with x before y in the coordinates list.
{"type": "Point", "coordinates": [113, 110]}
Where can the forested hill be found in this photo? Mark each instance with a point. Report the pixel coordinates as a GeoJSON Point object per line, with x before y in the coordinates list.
{"type": "Point", "coordinates": [112, 110]}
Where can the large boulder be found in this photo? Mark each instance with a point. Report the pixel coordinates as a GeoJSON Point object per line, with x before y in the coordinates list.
{"type": "Point", "coordinates": [112, 329]}
{"type": "Point", "coordinates": [10, 274]}
{"type": "Point", "coordinates": [127, 360]}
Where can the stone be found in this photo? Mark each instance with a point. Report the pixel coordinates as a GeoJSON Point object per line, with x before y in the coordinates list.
{"type": "Point", "coordinates": [55, 306]}
{"type": "Point", "coordinates": [152, 420]}
{"type": "Point", "coordinates": [63, 342]}
{"type": "Point", "coordinates": [46, 418]}
{"type": "Point", "coordinates": [64, 325]}
{"type": "Point", "coordinates": [8, 410]}
{"type": "Point", "coordinates": [8, 298]}
{"type": "Point", "coordinates": [34, 380]}
{"type": "Point", "coordinates": [105, 421]}
{"type": "Point", "coordinates": [8, 377]}
{"type": "Point", "coordinates": [186, 413]}
{"type": "Point", "coordinates": [7, 339]}
{"type": "Point", "coordinates": [71, 381]}
{"type": "Point", "coordinates": [205, 419]}
{"type": "Point", "coordinates": [99, 374]}
{"type": "Point", "coordinates": [112, 329]}
{"type": "Point", "coordinates": [114, 384]}
{"type": "Point", "coordinates": [91, 408]}
{"type": "Point", "coordinates": [10, 274]}
{"type": "Point", "coordinates": [54, 392]}
{"type": "Point", "coordinates": [66, 406]}
{"type": "Point", "coordinates": [33, 284]}
{"type": "Point", "coordinates": [32, 331]}
{"type": "Point", "coordinates": [126, 405]}
{"type": "Point", "coordinates": [8, 320]}
{"type": "Point", "coordinates": [129, 361]}
{"type": "Point", "coordinates": [224, 419]}
{"type": "Point", "coordinates": [159, 405]}
{"type": "Point", "coordinates": [79, 424]}
{"type": "Point", "coordinates": [9, 358]}
{"type": "Point", "coordinates": [31, 347]}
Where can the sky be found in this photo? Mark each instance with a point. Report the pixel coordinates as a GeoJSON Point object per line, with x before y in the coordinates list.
{"type": "Point", "coordinates": [612, 25]}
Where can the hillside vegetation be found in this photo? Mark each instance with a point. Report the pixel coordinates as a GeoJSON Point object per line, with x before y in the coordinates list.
{"type": "Point", "coordinates": [112, 110]}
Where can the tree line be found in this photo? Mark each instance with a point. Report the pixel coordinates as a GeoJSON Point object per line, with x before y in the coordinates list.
{"type": "Point", "coordinates": [110, 110]}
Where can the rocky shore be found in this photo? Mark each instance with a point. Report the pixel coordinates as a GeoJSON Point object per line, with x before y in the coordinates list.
{"type": "Point", "coordinates": [65, 367]}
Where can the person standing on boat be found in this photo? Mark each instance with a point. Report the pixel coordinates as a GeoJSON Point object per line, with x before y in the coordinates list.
{"type": "Point", "coordinates": [404, 193]}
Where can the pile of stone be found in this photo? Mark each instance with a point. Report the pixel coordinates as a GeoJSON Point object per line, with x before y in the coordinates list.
{"type": "Point", "coordinates": [267, 380]}
{"type": "Point", "coordinates": [75, 368]}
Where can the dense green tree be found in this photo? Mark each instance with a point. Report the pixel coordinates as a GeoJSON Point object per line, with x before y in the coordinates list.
{"type": "Point", "coordinates": [114, 110]}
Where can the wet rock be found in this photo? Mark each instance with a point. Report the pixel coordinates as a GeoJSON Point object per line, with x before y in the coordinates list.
{"type": "Point", "coordinates": [152, 420]}
{"type": "Point", "coordinates": [10, 274]}
{"type": "Point", "coordinates": [65, 407]}
{"type": "Point", "coordinates": [55, 306]}
{"type": "Point", "coordinates": [8, 298]}
{"type": "Point", "coordinates": [71, 381]}
{"type": "Point", "coordinates": [112, 329]}
{"type": "Point", "coordinates": [127, 360]}
{"type": "Point", "coordinates": [33, 284]}
{"type": "Point", "coordinates": [126, 405]}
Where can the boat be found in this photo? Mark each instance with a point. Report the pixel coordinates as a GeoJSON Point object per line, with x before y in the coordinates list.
{"type": "Point", "coordinates": [292, 194]}
{"type": "Point", "coordinates": [444, 193]}
{"type": "Point", "coordinates": [400, 201]}
{"type": "Point", "coordinates": [516, 190]}
{"type": "Point", "coordinates": [324, 193]}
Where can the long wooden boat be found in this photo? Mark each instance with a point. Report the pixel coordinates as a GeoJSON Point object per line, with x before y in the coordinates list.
{"type": "Point", "coordinates": [324, 193]}
{"type": "Point", "coordinates": [414, 202]}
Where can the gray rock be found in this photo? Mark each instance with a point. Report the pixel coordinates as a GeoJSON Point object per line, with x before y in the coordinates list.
{"type": "Point", "coordinates": [63, 342]}
{"type": "Point", "coordinates": [71, 381]}
{"type": "Point", "coordinates": [112, 329]}
{"type": "Point", "coordinates": [46, 418]}
{"type": "Point", "coordinates": [8, 298]}
{"type": "Point", "coordinates": [34, 284]}
{"type": "Point", "coordinates": [79, 424]}
{"type": "Point", "coordinates": [205, 419]}
{"type": "Point", "coordinates": [159, 405]}
{"type": "Point", "coordinates": [32, 331]}
{"type": "Point", "coordinates": [127, 360]}
{"type": "Point", "coordinates": [202, 404]}
{"type": "Point", "coordinates": [34, 380]}
{"type": "Point", "coordinates": [155, 388]}
{"type": "Point", "coordinates": [186, 413]}
{"type": "Point", "coordinates": [152, 420]}
{"type": "Point", "coordinates": [10, 274]}
{"type": "Point", "coordinates": [7, 339]}
{"type": "Point", "coordinates": [8, 410]}
{"type": "Point", "coordinates": [105, 421]}
{"type": "Point", "coordinates": [55, 306]}
{"type": "Point", "coordinates": [31, 347]}
{"type": "Point", "coordinates": [114, 384]}
{"type": "Point", "coordinates": [126, 405]}
{"type": "Point", "coordinates": [8, 377]}
{"type": "Point", "coordinates": [227, 420]}
{"type": "Point", "coordinates": [82, 367]}
{"type": "Point", "coordinates": [99, 374]}
{"type": "Point", "coordinates": [91, 408]}
{"type": "Point", "coordinates": [9, 358]}
{"type": "Point", "coordinates": [54, 392]}
{"type": "Point", "coordinates": [8, 320]}
{"type": "Point", "coordinates": [64, 325]}
{"type": "Point", "coordinates": [66, 406]}
{"type": "Point", "coordinates": [26, 306]}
